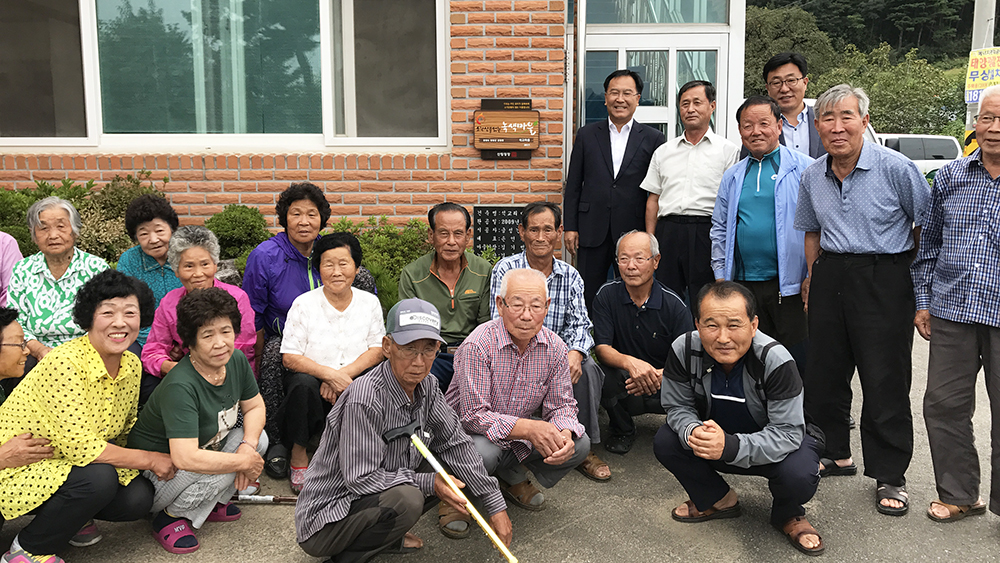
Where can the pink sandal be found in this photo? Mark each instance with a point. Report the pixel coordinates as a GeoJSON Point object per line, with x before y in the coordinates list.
{"type": "Point", "coordinates": [228, 512]}
{"type": "Point", "coordinates": [169, 534]}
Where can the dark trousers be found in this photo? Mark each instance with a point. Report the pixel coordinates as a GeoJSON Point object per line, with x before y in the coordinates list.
{"type": "Point", "coordinates": [958, 351]}
{"type": "Point", "coordinates": [622, 406]}
{"type": "Point", "coordinates": [91, 491]}
{"type": "Point", "coordinates": [443, 369]}
{"type": "Point", "coordinates": [861, 315]}
{"type": "Point", "coordinates": [593, 263]}
{"type": "Point", "coordinates": [685, 254]}
{"type": "Point", "coordinates": [792, 481]}
{"type": "Point", "coordinates": [304, 410]}
{"type": "Point", "coordinates": [782, 318]}
{"type": "Point", "coordinates": [373, 522]}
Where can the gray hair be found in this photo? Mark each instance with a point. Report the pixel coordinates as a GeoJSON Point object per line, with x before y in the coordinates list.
{"type": "Point", "coordinates": [524, 271]}
{"type": "Point", "coordinates": [654, 245]}
{"type": "Point", "coordinates": [48, 203]}
{"type": "Point", "coordinates": [831, 97]}
{"type": "Point", "coordinates": [989, 93]}
{"type": "Point", "coordinates": [188, 237]}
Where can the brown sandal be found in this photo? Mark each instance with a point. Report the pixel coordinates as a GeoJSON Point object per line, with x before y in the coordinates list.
{"type": "Point", "coordinates": [957, 512]}
{"type": "Point", "coordinates": [522, 494]}
{"type": "Point", "coordinates": [448, 514]}
{"type": "Point", "coordinates": [798, 527]}
{"type": "Point", "coordinates": [590, 466]}
{"type": "Point", "coordinates": [694, 516]}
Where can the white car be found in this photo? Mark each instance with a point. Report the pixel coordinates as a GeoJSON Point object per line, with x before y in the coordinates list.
{"type": "Point", "coordinates": [928, 152]}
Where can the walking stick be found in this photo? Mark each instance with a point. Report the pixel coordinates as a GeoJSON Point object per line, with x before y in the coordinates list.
{"type": "Point", "coordinates": [263, 499]}
{"type": "Point", "coordinates": [422, 448]}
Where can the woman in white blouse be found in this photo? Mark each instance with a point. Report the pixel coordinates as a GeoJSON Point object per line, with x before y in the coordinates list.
{"type": "Point", "coordinates": [332, 335]}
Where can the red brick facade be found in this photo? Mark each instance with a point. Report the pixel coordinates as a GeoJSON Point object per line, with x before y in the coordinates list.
{"type": "Point", "coordinates": [497, 49]}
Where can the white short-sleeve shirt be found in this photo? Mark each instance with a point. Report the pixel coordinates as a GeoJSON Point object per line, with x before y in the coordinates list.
{"type": "Point", "coordinates": [317, 330]}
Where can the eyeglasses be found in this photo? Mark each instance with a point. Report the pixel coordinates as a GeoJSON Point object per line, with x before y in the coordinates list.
{"type": "Point", "coordinates": [22, 345]}
{"type": "Point", "coordinates": [623, 261]}
{"type": "Point", "coordinates": [790, 82]}
{"type": "Point", "coordinates": [518, 308]}
{"type": "Point", "coordinates": [986, 119]}
{"type": "Point", "coordinates": [616, 93]}
{"type": "Point", "coordinates": [411, 352]}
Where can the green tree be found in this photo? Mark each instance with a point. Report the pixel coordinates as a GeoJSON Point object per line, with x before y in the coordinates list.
{"type": "Point", "coordinates": [911, 96]}
{"type": "Point", "coordinates": [771, 31]}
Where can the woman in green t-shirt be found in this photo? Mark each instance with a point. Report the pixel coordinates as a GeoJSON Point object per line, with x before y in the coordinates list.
{"type": "Point", "coordinates": [192, 416]}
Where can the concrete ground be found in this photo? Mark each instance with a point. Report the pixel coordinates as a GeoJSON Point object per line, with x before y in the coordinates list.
{"type": "Point", "coordinates": [628, 519]}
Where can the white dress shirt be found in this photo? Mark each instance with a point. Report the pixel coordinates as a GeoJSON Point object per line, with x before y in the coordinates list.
{"type": "Point", "coordinates": [797, 137]}
{"type": "Point", "coordinates": [619, 140]}
{"type": "Point", "coordinates": [687, 176]}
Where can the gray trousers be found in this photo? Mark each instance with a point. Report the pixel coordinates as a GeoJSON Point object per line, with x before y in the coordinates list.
{"type": "Point", "coordinates": [504, 464]}
{"type": "Point", "coordinates": [373, 522]}
{"type": "Point", "coordinates": [587, 393]}
{"type": "Point", "coordinates": [958, 350]}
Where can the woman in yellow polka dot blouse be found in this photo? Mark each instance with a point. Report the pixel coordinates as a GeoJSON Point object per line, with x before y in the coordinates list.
{"type": "Point", "coordinates": [82, 397]}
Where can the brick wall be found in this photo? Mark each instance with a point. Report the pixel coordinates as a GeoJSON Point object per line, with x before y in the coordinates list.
{"type": "Point", "coordinates": [498, 49]}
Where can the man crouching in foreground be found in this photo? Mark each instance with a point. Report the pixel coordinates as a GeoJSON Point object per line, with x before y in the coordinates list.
{"type": "Point", "coordinates": [368, 484]}
{"type": "Point", "coordinates": [733, 399]}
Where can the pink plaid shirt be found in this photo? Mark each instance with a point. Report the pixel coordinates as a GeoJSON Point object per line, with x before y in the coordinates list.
{"type": "Point", "coordinates": [495, 385]}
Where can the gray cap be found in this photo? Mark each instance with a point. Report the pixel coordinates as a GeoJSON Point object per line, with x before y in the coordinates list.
{"type": "Point", "coordinates": [413, 319]}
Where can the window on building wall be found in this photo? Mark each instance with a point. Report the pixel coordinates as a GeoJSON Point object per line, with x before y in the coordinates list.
{"type": "Point", "coordinates": [657, 11]}
{"type": "Point", "coordinates": [41, 69]}
{"type": "Point", "coordinates": [235, 67]}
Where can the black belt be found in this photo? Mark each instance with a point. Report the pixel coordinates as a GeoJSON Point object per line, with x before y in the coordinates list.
{"type": "Point", "coordinates": [866, 258]}
{"type": "Point", "coordinates": [686, 218]}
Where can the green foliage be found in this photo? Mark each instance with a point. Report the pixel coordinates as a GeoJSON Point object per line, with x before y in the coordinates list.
{"type": "Point", "coordinates": [14, 207]}
{"type": "Point", "coordinates": [909, 97]}
{"type": "Point", "coordinates": [489, 254]}
{"type": "Point", "coordinates": [387, 249]}
{"type": "Point", "coordinates": [239, 229]}
{"type": "Point", "coordinates": [241, 261]}
{"type": "Point", "coordinates": [103, 215]}
{"type": "Point", "coordinates": [771, 31]}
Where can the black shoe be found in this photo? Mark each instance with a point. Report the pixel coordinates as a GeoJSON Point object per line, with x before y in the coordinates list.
{"type": "Point", "coordinates": [850, 422]}
{"type": "Point", "coordinates": [277, 465]}
{"type": "Point", "coordinates": [619, 444]}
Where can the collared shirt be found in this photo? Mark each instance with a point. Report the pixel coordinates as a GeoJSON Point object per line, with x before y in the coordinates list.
{"type": "Point", "coordinates": [353, 460]}
{"type": "Point", "coordinates": [10, 254]}
{"type": "Point", "coordinates": [317, 330]}
{"type": "Point", "coordinates": [686, 176]}
{"type": "Point", "coordinates": [873, 211]}
{"type": "Point", "coordinates": [461, 311]}
{"type": "Point", "coordinates": [957, 271]}
{"type": "Point", "coordinates": [163, 334]}
{"type": "Point", "coordinates": [45, 303]}
{"type": "Point", "coordinates": [797, 136]}
{"type": "Point", "coordinates": [159, 277]}
{"type": "Point", "coordinates": [70, 399]}
{"type": "Point", "coordinates": [495, 385]}
{"type": "Point", "coordinates": [619, 141]}
{"type": "Point", "coordinates": [642, 331]}
{"type": "Point", "coordinates": [756, 224]}
{"type": "Point", "coordinates": [567, 314]}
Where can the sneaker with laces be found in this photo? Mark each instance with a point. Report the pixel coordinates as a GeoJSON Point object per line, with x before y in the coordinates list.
{"type": "Point", "coordinates": [21, 556]}
{"type": "Point", "coordinates": [87, 536]}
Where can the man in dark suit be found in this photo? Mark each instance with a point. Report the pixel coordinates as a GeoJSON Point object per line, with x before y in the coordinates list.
{"type": "Point", "coordinates": [786, 80]}
{"type": "Point", "coordinates": [602, 194]}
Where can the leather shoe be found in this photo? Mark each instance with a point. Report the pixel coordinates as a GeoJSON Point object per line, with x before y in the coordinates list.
{"type": "Point", "coordinates": [276, 465]}
{"type": "Point", "coordinates": [620, 443]}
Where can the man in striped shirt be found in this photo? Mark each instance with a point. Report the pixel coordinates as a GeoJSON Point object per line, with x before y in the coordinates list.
{"type": "Point", "coordinates": [505, 371]}
{"type": "Point", "coordinates": [368, 484]}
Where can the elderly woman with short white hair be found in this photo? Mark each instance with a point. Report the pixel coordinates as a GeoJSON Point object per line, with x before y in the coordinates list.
{"type": "Point", "coordinates": [44, 285]}
{"type": "Point", "coordinates": [194, 256]}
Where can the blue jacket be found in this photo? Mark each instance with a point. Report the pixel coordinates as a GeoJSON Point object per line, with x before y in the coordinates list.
{"type": "Point", "coordinates": [791, 243]}
{"type": "Point", "coordinates": [275, 275]}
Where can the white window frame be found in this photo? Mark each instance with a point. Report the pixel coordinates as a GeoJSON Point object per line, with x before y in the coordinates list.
{"type": "Point", "coordinates": [261, 142]}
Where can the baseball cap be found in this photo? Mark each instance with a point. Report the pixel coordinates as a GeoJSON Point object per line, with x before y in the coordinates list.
{"type": "Point", "coordinates": [413, 319]}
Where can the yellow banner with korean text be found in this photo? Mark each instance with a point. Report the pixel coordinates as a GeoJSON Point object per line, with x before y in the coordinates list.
{"type": "Point", "coordinates": [983, 71]}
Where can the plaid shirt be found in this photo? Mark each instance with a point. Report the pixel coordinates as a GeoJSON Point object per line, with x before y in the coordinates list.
{"type": "Point", "coordinates": [567, 314]}
{"type": "Point", "coordinates": [495, 385]}
{"type": "Point", "coordinates": [957, 271]}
